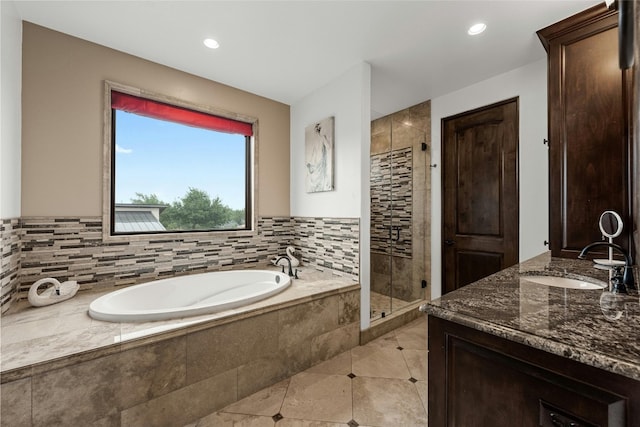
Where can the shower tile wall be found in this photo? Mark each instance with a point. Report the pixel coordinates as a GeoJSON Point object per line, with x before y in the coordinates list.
{"type": "Point", "coordinates": [395, 145]}
{"type": "Point", "coordinates": [73, 249]}
{"type": "Point", "coordinates": [9, 273]}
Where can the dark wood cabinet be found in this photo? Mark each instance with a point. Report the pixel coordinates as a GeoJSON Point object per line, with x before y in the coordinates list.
{"type": "Point", "coordinates": [590, 137]}
{"type": "Point", "coordinates": [478, 379]}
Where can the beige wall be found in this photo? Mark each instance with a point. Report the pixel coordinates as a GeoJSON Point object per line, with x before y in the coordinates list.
{"type": "Point", "coordinates": [62, 122]}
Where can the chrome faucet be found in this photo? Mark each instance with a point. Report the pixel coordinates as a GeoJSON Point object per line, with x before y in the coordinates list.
{"type": "Point", "coordinates": [627, 276]}
{"type": "Point", "coordinates": [289, 261]}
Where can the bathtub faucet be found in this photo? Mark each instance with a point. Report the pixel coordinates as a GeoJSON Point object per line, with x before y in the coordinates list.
{"type": "Point", "coordinates": [289, 261]}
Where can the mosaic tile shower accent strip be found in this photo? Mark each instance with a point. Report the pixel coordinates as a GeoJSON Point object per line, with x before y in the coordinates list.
{"type": "Point", "coordinates": [391, 202]}
{"type": "Point", "coordinates": [380, 203]}
{"type": "Point", "coordinates": [73, 249]}
{"type": "Point", "coordinates": [329, 243]}
{"type": "Point", "coordinates": [9, 273]}
{"type": "Point", "coordinates": [402, 201]}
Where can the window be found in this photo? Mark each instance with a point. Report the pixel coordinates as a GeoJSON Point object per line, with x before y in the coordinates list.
{"type": "Point", "coordinates": [175, 169]}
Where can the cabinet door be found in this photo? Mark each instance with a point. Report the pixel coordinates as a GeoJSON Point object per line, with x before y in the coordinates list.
{"type": "Point", "coordinates": [589, 131]}
{"type": "Point", "coordinates": [512, 393]}
{"type": "Point", "coordinates": [478, 380]}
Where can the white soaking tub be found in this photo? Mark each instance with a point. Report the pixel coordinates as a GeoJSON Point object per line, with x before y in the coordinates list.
{"type": "Point", "coordinates": [191, 295]}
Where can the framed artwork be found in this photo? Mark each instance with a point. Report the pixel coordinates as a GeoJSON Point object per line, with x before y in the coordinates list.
{"type": "Point", "coordinates": [318, 138]}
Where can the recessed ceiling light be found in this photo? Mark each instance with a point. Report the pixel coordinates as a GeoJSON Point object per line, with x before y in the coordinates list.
{"type": "Point", "coordinates": [211, 43]}
{"type": "Point", "coordinates": [476, 29]}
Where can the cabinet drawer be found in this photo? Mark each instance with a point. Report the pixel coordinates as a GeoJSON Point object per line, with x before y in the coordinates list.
{"type": "Point", "coordinates": [551, 416]}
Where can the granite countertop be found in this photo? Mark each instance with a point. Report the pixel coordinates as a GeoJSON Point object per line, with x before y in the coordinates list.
{"type": "Point", "coordinates": [594, 327]}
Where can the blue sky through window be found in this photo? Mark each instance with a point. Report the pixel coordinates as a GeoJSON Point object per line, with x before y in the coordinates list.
{"type": "Point", "coordinates": [164, 158]}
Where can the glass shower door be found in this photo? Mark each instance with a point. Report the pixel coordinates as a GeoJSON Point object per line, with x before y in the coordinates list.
{"type": "Point", "coordinates": [381, 232]}
{"type": "Point", "coordinates": [399, 202]}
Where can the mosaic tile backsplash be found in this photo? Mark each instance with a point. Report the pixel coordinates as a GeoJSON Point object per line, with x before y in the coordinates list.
{"type": "Point", "coordinates": [10, 250]}
{"type": "Point", "coordinates": [73, 249]}
{"type": "Point", "coordinates": [329, 243]}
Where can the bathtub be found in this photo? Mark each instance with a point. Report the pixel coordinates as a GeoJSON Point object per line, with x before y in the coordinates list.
{"type": "Point", "coordinates": [188, 295]}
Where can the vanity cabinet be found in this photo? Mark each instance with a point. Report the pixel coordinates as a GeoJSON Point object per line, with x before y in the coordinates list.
{"type": "Point", "coordinates": [479, 379]}
{"type": "Point", "coordinates": [590, 137]}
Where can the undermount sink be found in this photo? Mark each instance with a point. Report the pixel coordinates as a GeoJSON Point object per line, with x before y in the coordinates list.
{"type": "Point", "coordinates": [562, 282]}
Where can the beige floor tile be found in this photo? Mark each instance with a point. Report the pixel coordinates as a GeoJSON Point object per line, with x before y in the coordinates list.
{"type": "Point", "coordinates": [417, 363]}
{"type": "Point", "coordinates": [266, 402]}
{"type": "Point", "coordinates": [318, 397]}
{"type": "Point", "coordinates": [387, 402]}
{"type": "Point", "coordinates": [380, 395]}
{"type": "Point", "coordinates": [418, 326]}
{"type": "Point", "coordinates": [414, 337]}
{"type": "Point", "coordinates": [370, 361]}
{"type": "Point", "coordinates": [290, 422]}
{"type": "Point", "coordinates": [422, 391]}
{"type": "Point", "coordinates": [387, 340]}
{"type": "Point", "coordinates": [338, 365]}
{"type": "Point", "coordinates": [419, 323]}
{"type": "Point", "coordinates": [233, 420]}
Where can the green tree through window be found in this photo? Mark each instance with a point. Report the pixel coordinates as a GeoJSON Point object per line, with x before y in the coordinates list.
{"type": "Point", "coordinates": [196, 210]}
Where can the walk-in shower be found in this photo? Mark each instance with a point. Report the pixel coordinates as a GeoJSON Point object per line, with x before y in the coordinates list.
{"type": "Point", "coordinates": [400, 209]}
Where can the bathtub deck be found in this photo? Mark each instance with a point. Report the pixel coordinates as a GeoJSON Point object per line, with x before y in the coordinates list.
{"type": "Point", "coordinates": [34, 340]}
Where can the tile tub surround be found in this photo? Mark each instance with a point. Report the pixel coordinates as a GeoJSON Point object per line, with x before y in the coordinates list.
{"type": "Point", "coordinates": [73, 249]}
{"type": "Point", "coordinates": [59, 367]}
{"type": "Point", "coordinates": [565, 322]}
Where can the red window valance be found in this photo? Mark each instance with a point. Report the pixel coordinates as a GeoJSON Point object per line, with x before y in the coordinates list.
{"type": "Point", "coordinates": [158, 110]}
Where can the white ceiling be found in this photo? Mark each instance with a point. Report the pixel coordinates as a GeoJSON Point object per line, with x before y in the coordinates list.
{"type": "Point", "coordinates": [284, 50]}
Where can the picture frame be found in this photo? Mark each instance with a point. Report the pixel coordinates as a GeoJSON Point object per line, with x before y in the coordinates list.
{"type": "Point", "coordinates": [319, 141]}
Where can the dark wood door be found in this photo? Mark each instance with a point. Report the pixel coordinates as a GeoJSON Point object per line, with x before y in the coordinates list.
{"type": "Point", "coordinates": [480, 193]}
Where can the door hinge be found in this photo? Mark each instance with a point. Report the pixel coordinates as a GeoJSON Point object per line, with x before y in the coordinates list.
{"type": "Point", "coordinates": [424, 284]}
{"type": "Point", "coordinates": [545, 141]}
{"type": "Point", "coordinates": [424, 146]}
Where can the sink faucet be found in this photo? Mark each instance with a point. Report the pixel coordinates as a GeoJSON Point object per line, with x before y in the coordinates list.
{"type": "Point", "coordinates": [289, 261]}
{"type": "Point", "coordinates": [627, 277]}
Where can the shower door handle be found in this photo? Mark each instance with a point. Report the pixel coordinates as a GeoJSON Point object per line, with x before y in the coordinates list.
{"type": "Point", "coordinates": [449, 242]}
{"type": "Point", "coordinates": [395, 228]}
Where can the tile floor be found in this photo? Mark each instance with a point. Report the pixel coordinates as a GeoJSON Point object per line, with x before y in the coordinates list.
{"type": "Point", "coordinates": [383, 383]}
